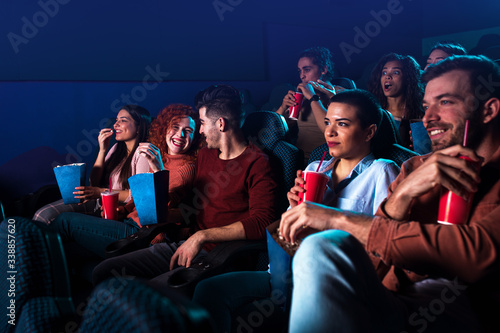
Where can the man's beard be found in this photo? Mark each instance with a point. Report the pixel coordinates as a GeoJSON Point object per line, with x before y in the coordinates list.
{"type": "Point", "coordinates": [214, 136]}
{"type": "Point", "coordinates": [474, 136]}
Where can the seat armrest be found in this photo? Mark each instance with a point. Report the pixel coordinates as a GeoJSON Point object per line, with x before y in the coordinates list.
{"type": "Point", "coordinates": [142, 238]}
{"type": "Point", "coordinates": [225, 257]}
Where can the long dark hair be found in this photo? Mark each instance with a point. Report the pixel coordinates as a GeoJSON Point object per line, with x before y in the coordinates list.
{"type": "Point", "coordinates": [142, 120]}
{"type": "Point", "coordinates": [413, 91]}
{"type": "Point", "coordinates": [450, 48]}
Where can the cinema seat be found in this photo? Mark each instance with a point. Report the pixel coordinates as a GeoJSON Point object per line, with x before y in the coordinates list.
{"type": "Point", "coordinates": [120, 305]}
{"type": "Point", "coordinates": [41, 295]}
{"type": "Point", "coordinates": [387, 144]}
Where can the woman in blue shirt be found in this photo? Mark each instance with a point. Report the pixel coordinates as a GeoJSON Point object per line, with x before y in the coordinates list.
{"type": "Point", "coordinates": [357, 182]}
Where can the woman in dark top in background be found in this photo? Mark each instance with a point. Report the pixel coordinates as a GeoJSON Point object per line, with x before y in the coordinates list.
{"type": "Point", "coordinates": [315, 68]}
{"type": "Point", "coordinates": [395, 81]}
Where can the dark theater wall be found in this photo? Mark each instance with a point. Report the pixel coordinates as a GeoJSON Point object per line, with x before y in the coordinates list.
{"type": "Point", "coordinates": [67, 65]}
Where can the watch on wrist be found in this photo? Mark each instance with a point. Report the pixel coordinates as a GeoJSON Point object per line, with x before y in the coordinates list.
{"type": "Point", "coordinates": [314, 98]}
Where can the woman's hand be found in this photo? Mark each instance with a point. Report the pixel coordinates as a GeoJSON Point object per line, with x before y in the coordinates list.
{"type": "Point", "coordinates": [87, 192]}
{"type": "Point", "coordinates": [288, 101]}
{"type": "Point", "coordinates": [152, 154]}
{"type": "Point", "coordinates": [104, 138]}
{"type": "Point", "coordinates": [306, 89]}
{"type": "Point", "coordinates": [293, 194]}
{"type": "Point", "coordinates": [121, 213]}
{"type": "Point", "coordinates": [326, 88]}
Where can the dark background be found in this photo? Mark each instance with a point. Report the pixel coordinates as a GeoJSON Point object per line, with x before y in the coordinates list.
{"type": "Point", "coordinates": [67, 65]}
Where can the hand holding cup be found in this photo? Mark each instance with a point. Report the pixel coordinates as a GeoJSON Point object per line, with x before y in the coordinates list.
{"type": "Point", "coordinates": [314, 186]}
{"type": "Point", "coordinates": [293, 194]}
{"type": "Point", "coordinates": [110, 204]}
{"type": "Point", "coordinates": [288, 100]}
{"type": "Point", "coordinates": [295, 109]}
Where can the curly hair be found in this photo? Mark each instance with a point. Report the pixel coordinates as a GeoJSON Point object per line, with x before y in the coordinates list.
{"type": "Point", "coordinates": [165, 120]}
{"type": "Point", "coordinates": [321, 57]}
{"type": "Point", "coordinates": [413, 90]}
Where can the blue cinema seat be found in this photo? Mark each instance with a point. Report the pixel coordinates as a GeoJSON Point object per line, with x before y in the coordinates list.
{"type": "Point", "coordinates": [41, 295]}
{"type": "Point", "coordinates": [120, 305]}
{"type": "Point", "coordinates": [267, 130]}
{"type": "Point", "coordinates": [388, 144]}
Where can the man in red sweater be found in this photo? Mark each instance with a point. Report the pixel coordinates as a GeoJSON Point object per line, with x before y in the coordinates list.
{"type": "Point", "coordinates": [401, 271]}
{"type": "Point", "coordinates": [233, 194]}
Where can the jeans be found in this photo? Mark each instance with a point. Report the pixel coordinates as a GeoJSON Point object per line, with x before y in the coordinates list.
{"type": "Point", "coordinates": [91, 232]}
{"type": "Point", "coordinates": [336, 289]}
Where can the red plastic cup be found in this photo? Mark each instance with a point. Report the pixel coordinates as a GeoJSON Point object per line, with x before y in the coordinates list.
{"type": "Point", "coordinates": [110, 204]}
{"type": "Point", "coordinates": [294, 110]}
{"type": "Point", "coordinates": [315, 186]}
{"type": "Point", "coordinates": [454, 209]}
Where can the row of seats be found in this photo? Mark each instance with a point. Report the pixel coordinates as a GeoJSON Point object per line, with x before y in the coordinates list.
{"type": "Point", "coordinates": [43, 303]}
{"type": "Point", "coordinates": [43, 299]}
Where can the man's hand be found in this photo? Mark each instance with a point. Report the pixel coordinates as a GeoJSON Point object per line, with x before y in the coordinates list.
{"type": "Point", "coordinates": [307, 214]}
{"type": "Point", "coordinates": [443, 168]}
{"type": "Point", "coordinates": [310, 217]}
{"type": "Point", "coordinates": [187, 251]}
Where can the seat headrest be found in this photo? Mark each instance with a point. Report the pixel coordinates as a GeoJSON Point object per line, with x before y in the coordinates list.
{"type": "Point", "coordinates": [265, 126]}
{"type": "Point", "coordinates": [343, 82]}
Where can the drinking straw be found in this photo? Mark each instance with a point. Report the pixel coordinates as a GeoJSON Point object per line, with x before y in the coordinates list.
{"type": "Point", "coordinates": [321, 161]}
{"type": "Point", "coordinates": [109, 184]}
{"type": "Point", "coordinates": [466, 132]}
